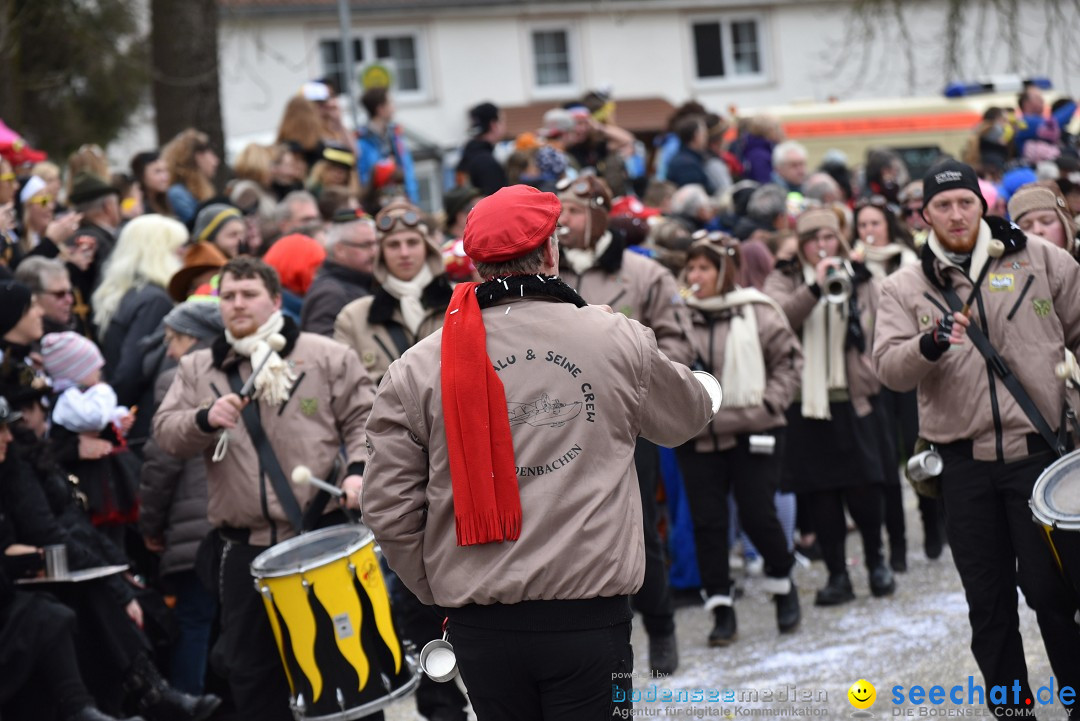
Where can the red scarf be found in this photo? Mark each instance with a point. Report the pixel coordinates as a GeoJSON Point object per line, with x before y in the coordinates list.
{"type": "Point", "coordinates": [487, 506]}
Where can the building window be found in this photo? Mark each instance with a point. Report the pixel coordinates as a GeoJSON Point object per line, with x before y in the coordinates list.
{"type": "Point", "coordinates": [551, 58]}
{"type": "Point", "coordinates": [400, 52]}
{"type": "Point", "coordinates": [728, 49]}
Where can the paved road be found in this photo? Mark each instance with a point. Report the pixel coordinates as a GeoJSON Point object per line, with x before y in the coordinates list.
{"type": "Point", "coordinates": [919, 636]}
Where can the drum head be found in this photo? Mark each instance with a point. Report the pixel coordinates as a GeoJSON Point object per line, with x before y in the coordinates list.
{"type": "Point", "coordinates": [1055, 500]}
{"type": "Point", "coordinates": [310, 550]}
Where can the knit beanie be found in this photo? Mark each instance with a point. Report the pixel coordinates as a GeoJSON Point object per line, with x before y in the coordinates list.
{"type": "Point", "coordinates": [950, 175]}
{"type": "Point", "coordinates": [1037, 197]}
{"type": "Point", "coordinates": [212, 219]}
{"type": "Point", "coordinates": [296, 258]}
{"type": "Point", "coordinates": [15, 300]}
{"type": "Point", "coordinates": [199, 319]}
{"type": "Point", "coordinates": [69, 357]}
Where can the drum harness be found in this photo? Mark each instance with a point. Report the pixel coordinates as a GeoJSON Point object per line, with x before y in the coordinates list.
{"type": "Point", "coordinates": [270, 467]}
{"type": "Point", "coordinates": [1058, 442]}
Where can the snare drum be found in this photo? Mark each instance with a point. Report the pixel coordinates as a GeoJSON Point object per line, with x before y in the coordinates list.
{"type": "Point", "coordinates": [1055, 503]}
{"type": "Point", "coordinates": [330, 613]}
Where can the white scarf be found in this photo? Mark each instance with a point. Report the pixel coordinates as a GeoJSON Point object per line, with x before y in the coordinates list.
{"type": "Point", "coordinates": [276, 378]}
{"type": "Point", "coordinates": [824, 366]}
{"type": "Point", "coordinates": [581, 259]}
{"type": "Point", "coordinates": [879, 257]}
{"type": "Point", "coordinates": [408, 293]}
{"type": "Point", "coordinates": [743, 375]}
{"type": "Point", "coordinates": [979, 254]}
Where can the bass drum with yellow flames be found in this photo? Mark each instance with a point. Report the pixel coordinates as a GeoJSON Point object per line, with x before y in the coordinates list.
{"type": "Point", "coordinates": [327, 602]}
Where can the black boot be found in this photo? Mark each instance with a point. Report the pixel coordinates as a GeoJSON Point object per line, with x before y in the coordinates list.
{"type": "Point", "coordinates": [89, 713]}
{"type": "Point", "coordinates": [898, 557]}
{"type": "Point", "coordinates": [882, 582]}
{"type": "Point", "coordinates": [159, 701]}
{"type": "Point", "coordinates": [837, 591]}
{"type": "Point", "coordinates": [663, 654]}
{"type": "Point", "coordinates": [788, 613]}
{"type": "Point", "coordinates": [725, 629]}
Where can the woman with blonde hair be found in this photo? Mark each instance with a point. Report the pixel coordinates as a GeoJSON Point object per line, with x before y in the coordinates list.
{"type": "Point", "coordinates": [192, 164]}
{"type": "Point", "coordinates": [255, 162]}
{"type": "Point", "coordinates": [131, 302]}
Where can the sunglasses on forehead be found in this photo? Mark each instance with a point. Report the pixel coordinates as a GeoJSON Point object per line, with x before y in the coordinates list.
{"type": "Point", "coordinates": [408, 218]}
{"type": "Point", "coordinates": [42, 200]}
{"type": "Point", "coordinates": [7, 177]}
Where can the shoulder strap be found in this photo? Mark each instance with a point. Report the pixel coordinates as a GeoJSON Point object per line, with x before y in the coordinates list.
{"type": "Point", "coordinates": [1001, 368]}
{"type": "Point", "coordinates": [397, 334]}
{"type": "Point", "coordinates": [268, 462]}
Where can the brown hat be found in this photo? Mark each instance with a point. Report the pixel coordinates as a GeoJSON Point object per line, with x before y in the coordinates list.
{"type": "Point", "coordinates": [1040, 197]}
{"type": "Point", "coordinates": [200, 258]}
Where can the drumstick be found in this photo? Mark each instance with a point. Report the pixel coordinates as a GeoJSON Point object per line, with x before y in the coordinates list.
{"type": "Point", "coordinates": [303, 474]}
{"type": "Point", "coordinates": [995, 249]}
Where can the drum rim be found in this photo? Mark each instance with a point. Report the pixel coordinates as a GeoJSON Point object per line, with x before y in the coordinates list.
{"type": "Point", "coordinates": [258, 569]}
{"type": "Point", "coordinates": [1039, 508]}
{"type": "Point", "coordinates": [358, 712]}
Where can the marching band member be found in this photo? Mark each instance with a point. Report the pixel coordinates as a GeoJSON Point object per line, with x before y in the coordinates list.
{"type": "Point", "coordinates": [743, 336]}
{"type": "Point", "coordinates": [501, 485]}
{"type": "Point", "coordinates": [833, 455]}
{"type": "Point", "coordinates": [993, 451]}
{"type": "Point", "coordinates": [310, 398]}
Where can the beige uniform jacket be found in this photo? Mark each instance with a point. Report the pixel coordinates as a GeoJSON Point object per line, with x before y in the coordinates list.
{"type": "Point", "coordinates": [576, 408]}
{"type": "Point", "coordinates": [641, 289]}
{"type": "Point", "coordinates": [795, 297]}
{"type": "Point", "coordinates": [1031, 309]}
{"type": "Point", "coordinates": [783, 366]}
{"type": "Point", "coordinates": [327, 408]}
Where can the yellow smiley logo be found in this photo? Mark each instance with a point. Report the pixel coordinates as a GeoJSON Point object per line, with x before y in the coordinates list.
{"type": "Point", "coordinates": [862, 694]}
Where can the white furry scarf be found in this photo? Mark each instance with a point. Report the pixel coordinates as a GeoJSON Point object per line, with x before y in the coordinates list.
{"type": "Point", "coordinates": [276, 378]}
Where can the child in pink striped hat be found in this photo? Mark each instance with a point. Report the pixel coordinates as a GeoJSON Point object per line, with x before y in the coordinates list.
{"type": "Point", "coordinates": [86, 403]}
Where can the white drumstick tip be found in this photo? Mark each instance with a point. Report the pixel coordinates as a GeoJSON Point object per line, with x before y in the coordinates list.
{"type": "Point", "coordinates": [301, 475]}
{"type": "Point", "coordinates": [276, 342]}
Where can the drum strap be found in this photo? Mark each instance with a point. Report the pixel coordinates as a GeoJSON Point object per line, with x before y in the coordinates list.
{"type": "Point", "coordinates": [268, 462]}
{"type": "Point", "coordinates": [1001, 368]}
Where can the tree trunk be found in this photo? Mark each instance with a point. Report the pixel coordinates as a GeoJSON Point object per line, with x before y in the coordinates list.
{"type": "Point", "coordinates": [187, 90]}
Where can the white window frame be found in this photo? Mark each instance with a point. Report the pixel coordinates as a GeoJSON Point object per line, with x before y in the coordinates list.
{"type": "Point", "coordinates": [727, 46]}
{"type": "Point", "coordinates": [573, 56]}
{"type": "Point", "coordinates": [367, 36]}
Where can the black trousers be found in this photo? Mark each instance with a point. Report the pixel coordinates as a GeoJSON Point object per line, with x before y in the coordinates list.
{"type": "Point", "coordinates": [864, 502]}
{"type": "Point", "coordinates": [653, 601]}
{"type": "Point", "coordinates": [545, 675]}
{"type": "Point", "coordinates": [996, 546]}
{"type": "Point", "coordinates": [39, 669]}
{"type": "Point", "coordinates": [107, 642]}
{"type": "Point", "coordinates": [754, 479]}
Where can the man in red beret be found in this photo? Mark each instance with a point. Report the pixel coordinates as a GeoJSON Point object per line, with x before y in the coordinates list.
{"type": "Point", "coordinates": [501, 484]}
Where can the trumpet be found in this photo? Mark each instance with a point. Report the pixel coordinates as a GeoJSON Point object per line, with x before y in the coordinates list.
{"type": "Point", "coordinates": [838, 285]}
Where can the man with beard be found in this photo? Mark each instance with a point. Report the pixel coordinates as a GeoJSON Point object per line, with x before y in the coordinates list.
{"type": "Point", "coordinates": [251, 503]}
{"type": "Point", "coordinates": [1027, 305]}
{"type": "Point", "coordinates": [596, 263]}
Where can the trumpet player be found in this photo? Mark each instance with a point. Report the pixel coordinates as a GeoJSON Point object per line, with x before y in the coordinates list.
{"type": "Point", "coordinates": [834, 454]}
{"type": "Point", "coordinates": [1023, 298]}
{"type": "Point", "coordinates": [742, 336]}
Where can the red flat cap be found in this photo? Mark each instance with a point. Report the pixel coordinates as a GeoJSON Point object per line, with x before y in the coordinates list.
{"type": "Point", "coordinates": [510, 223]}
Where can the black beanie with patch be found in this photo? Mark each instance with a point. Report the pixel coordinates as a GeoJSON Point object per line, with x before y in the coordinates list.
{"type": "Point", "coordinates": [950, 175]}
